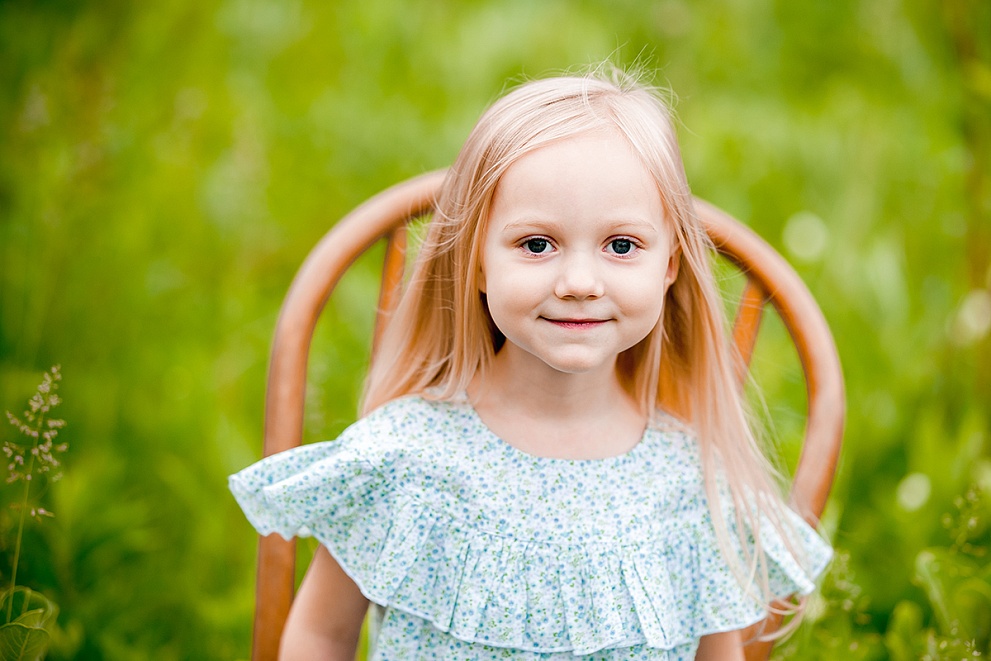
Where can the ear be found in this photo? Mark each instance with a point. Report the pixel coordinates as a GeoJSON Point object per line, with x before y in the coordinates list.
{"type": "Point", "coordinates": [674, 263]}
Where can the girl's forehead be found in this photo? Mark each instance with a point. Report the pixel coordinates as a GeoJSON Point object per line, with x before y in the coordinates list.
{"type": "Point", "coordinates": [594, 174]}
{"type": "Point", "coordinates": [603, 156]}
{"type": "Point", "coordinates": [603, 139]}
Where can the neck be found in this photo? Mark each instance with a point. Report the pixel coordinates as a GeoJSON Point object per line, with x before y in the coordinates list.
{"type": "Point", "coordinates": [550, 392]}
{"type": "Point", "coordinates": [554, 414]}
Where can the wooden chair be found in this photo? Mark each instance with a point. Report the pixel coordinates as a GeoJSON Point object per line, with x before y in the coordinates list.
{"type": "Point", "coordinates": [769, 280]}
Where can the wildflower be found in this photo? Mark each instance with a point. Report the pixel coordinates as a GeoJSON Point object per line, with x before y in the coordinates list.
{"type": "Point", "coordinates": [40, 451]}
{"type": "Point", "coordinates": [35, 458]}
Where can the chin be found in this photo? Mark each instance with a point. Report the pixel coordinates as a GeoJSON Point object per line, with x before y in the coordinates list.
{"type": "Point", "coordinates": [577, 367]}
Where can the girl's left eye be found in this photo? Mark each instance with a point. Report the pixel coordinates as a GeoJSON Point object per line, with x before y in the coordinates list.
{"type": "Point", "coordinates": [621, 246]}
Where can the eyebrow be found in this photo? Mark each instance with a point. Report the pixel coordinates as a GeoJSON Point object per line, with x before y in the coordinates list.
{"type": "Point", "coordinates": [620, 224]}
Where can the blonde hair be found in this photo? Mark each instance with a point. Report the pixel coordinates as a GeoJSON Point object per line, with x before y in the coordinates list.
{"type": "Point", "coordinates": [441, 336]}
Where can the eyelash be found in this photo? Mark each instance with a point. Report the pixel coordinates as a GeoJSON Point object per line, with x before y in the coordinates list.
{"type": "Point", "coordinates": [634, 245]}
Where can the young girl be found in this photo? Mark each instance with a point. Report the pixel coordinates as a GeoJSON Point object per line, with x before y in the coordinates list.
{"type": "Point", "coordinates": [555, 460]}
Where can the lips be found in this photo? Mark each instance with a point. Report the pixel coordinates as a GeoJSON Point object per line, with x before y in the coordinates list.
{"type": "Point", "coordinates": [577, 324]}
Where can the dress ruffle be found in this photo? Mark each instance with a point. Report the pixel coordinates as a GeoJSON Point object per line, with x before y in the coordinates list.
{"type": "Point", "coordinates": [479, 584]}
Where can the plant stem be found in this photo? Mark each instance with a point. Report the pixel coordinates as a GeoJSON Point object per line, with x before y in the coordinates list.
{"type": "Point", "coordinates": [17, 545]}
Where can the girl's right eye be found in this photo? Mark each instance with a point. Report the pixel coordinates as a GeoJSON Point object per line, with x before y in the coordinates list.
{"type": "Point", "coordinates": [537, 245]}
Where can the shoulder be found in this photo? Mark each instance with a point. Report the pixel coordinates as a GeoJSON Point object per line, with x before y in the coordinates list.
{"type": "Point", "coordinates": [413, 411]}
{"type": "Point", "coordinates": [407, 422]}
{"type": "Point", "coordinates": [668, 423]}
{"type": "Point", "coordinates": [676, 444]}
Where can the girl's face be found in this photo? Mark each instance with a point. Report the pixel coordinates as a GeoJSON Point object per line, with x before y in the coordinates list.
{"type": "Point", "coordinates": [577, 256]}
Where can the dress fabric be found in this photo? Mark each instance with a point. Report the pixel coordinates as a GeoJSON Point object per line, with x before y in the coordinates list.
{"type": "Point", "coordinates": [474, 549]}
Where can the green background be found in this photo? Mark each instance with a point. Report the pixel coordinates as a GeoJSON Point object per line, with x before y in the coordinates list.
{"type": "Point", "coordinates": [165, 167]}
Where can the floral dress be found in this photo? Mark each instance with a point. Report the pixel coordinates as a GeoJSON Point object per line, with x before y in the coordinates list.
{"type": "Point", "coordinates": [473, 549]}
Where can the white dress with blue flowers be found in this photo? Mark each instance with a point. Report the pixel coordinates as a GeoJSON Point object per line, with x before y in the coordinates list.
{"type": "Point", "coordinates": [476, 550]}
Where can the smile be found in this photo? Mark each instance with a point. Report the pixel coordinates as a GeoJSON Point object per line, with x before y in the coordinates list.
{"type": "Point", "coordinates": [577, 324]}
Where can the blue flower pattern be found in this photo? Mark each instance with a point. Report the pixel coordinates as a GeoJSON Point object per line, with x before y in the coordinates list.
{"type": "Point", "coordinates": [477, 550]}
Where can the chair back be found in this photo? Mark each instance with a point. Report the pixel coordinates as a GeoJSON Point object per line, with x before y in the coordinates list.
{"type": "Point", "coordinates": [770, 280]}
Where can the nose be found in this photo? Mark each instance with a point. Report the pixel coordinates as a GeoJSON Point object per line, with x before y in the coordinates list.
{"type": "Point", "coordinates": [579, 278]}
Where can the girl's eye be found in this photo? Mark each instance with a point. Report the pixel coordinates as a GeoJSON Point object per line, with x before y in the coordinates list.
{"type": "Point", "coordinates": [537, 245]}
{"type": "Point", "coordinates": [621, 246]}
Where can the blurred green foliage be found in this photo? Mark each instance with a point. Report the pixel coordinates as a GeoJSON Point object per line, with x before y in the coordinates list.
{"type": "Point", "coordinates": [165, 167]}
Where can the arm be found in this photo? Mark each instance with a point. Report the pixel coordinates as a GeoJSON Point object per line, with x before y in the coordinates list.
{"type": "Point", "coordinates": [725, 646]}
{"type": "Point", "coordinates": [325, 619]}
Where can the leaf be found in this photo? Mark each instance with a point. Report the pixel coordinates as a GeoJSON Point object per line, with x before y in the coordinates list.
{"type": "Point", "coordinates": [22, 643]}
{"type": "Point", "coordinates": [32, 609]}
{"type": "Point", "coordinates": [905, 631]}
{"type": "Point", "coordinates": [929, 571]}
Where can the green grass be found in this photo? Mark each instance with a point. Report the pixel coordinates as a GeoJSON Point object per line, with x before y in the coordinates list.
{"type": "Point", "coordinates": [165, 167]}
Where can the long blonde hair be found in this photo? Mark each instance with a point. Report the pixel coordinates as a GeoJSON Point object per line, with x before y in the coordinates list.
{"type": "Point", "coordinates": [441, 336]}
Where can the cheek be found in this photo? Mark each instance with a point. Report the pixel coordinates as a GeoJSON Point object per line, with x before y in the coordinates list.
{"type": "Point", "coordinates": [504, 276]}
{"type": "Point", "coordinates": [649, 312]}
{"type": "Point", "coordinates": [512, 301]}
{"type": "Point", "coordinates": [642, 289]}
{"type": "Point", "coordinates": [506, 296]}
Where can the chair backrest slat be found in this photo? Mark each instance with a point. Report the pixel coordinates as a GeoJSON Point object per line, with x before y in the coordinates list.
{"type": "Point", "coordinates": [746, 326]}
{"type": "Point", "coordinates": [393, 268]}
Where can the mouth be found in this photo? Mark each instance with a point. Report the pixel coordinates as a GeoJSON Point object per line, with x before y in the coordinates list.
{"type": "Point", "coordinates": [577, 324]}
